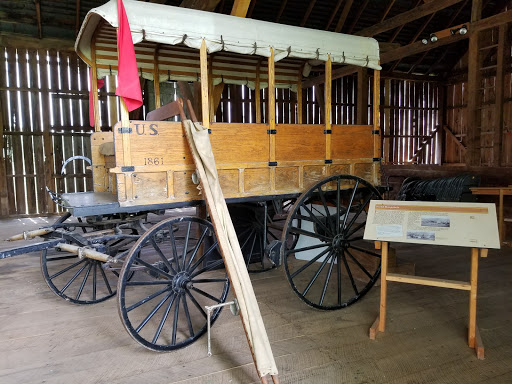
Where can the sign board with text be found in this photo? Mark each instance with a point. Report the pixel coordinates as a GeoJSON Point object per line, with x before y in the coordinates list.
{"type": "Point", "coordinates": [426, 222]}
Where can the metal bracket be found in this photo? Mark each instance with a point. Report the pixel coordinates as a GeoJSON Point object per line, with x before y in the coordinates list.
{"type": "Point", "coordinates": [327, 131]}
{"type": "Point", "coordinates": [272, 131]}
{"type": "Point", "coordinates": [233, 306]}
{"type": "Point", "coordinates": [376, 159]}
{"type": "Point", "coordinates": [125, 130]}
{"type": "Point", "coordinates": [130, 168]}
{"type": "Point", "coordinates": [375, 132]}
{"type": "Point", "coordinates": [328, 161]}
{"type": "Point", "coordinates": [272, 163]}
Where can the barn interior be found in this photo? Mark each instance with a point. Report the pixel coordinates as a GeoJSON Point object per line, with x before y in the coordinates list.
{"type": "Point", "coordinates": [445, 117]}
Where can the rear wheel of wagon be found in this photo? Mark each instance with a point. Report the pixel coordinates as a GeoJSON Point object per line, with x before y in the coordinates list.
{"type": "Point", "coordinates": [331, 266]}
{"type": "Point", "coordinates": [169, 276]}
{"type": "Point", "coordinates": [259, 228]}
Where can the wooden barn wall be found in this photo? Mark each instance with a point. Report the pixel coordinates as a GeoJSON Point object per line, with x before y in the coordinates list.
{"type": "Point", "coordinates": [44, 115]}
{"type": "Point", "coordinates": [410, 115]}
{"type": "Point", "coordinates": [44, 120]}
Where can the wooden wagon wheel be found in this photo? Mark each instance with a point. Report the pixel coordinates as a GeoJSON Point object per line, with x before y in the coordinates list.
{"type": "Point", "coordinates": [331, 266]}
{"type": "Point", "coordinates": [173, 278]}
{"type": "Point", "coordinates": [84, 280]}
{"type": "Point", "coordinates": [257, 225]}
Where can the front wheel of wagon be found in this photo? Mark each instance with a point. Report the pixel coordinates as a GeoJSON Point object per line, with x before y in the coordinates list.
{"type": "Point", "coordinates": [168, 278]}
{"type": "Point", "coordinates": [83, 280]}
{"type": "Point", "coordinates": [331, 266]}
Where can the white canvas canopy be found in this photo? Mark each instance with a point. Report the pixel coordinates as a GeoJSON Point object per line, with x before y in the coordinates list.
{"type": "Point", "coordinates": [172, 26]}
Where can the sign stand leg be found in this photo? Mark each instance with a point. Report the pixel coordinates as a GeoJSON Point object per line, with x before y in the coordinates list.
{"type": "Point", "coordinates": [379, 325]}
{"type": "Point", "coordinates": [474, 339]}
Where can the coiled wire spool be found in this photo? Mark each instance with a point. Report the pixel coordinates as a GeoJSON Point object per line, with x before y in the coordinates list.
{"type": "Point", "coordinates": [442, 189]}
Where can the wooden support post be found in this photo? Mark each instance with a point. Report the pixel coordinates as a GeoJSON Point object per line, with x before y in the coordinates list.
{"type": "Point", "coordinates": [376, 110]}
{"type": "Point", "coordinates": [4, 199]}
{"type": "Point", "coordinates": [300, 105]}
{"type": "Point", "coordinates": [499, 103]}
{"type": "Point", "coordinates": [156, 80]}
{"type": "Point", "coordinates": [472, 297]}
{"type": "Point", "coordinates": [383, 286]}
{"type": "Point", "coordinates": [362, 97]}
{"type": "Point", "coordinates": [473, 154]}
{"type": "Point", "coordinates": [94, 88]}
{"type": "Point", "coordinates": [204, 85]}
{"type": "Point", "coordinates": [257, 94]}
{"type": "Point", "coordinates": [327, 107]}
{"type": "Point", "coordinates": [272, 116]}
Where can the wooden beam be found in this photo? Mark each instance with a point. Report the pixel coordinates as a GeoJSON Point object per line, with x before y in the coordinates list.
{"type": "Point", "coordinates": [388, 8]}
{"type": "Point", "coordinates": [406, 17]}
{"type": "Point", "coordinates": [240, 8]}
{"type": "Point", "coordinates": [362, 96]}
{"type": "Point", "coordinates": [333, 14]}
{"type": "Point", "coordinates": [308, 12]}
{"type": "Point", "coordinates": [271, 115]}
{"type": "Point", "coordinates": [204, 84]}
{"type": "Point", "coordinates": [281, 10]}
{"type": "Point", "coordinates": [344, 14]}
{"type": "Point", "coordinates": [202, 5]}
{"type": "Point", "coordinates": [77, 22]}
{"type": "Point", "coordinates": [473, 154]}
{"type": "Point", "coordinates": [419, 47]}
{"type": "Point", "coordinates": [358, 16]}
{"type": "Point", "coordinates": [251, 8]}
{"type": "Point", "coordinates": [502, 62]}
{"type": "Point", "coordinates": [327, 107]}
{"type": "Point", "coordinates": [38, 15]}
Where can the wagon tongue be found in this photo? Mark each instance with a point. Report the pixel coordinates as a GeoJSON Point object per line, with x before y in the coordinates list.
{"type": "Point", "coordinates": [29, 248]}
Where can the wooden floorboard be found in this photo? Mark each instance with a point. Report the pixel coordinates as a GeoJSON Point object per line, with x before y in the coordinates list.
{"type": "Point", "coordinates": [44, 339]}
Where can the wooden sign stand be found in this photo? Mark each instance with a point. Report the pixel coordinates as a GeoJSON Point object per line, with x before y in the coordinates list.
{"type": "Point", "coordinates": [379, 325]}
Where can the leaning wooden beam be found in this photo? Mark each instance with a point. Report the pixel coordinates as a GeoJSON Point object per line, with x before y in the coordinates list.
{"type": "Point", "coordinates": [406, 17]}
{"type": "Point", "coordinates": [199, 142]}
{"type": "Point", "coordinates": [450, 134]}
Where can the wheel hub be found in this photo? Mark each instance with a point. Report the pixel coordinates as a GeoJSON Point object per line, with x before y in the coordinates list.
{"type": "Point", "coordinates": [181, 281]}
{"type": "Point", "coordinates": [340, 242]}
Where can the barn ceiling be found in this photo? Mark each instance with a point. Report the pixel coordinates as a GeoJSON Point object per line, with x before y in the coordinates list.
{"type": "Point", "coordinates": [394, 23]}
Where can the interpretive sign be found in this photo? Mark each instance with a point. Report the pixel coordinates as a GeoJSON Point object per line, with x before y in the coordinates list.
{"type": "Point", "coordinates": [426, 222]}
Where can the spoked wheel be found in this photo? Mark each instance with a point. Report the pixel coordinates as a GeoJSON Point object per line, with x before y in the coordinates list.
{"type": "Point", "coordinates": [250, 222]}
{"type": "Point", "coordinates": [174, 275]}
{"type": "Point", "coordinates": [331, 266]}
{"type": "Point", "coordinates": [84, 280]}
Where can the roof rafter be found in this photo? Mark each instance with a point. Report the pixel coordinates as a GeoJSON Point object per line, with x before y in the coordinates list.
{"type": "Point", "coordinates": [406, 17]}
{"type": "Point", "coordinates": [333, 14]}
{"type": "Point", "coordinates": [344, 14]}
{"type": "Point", "coordinates": [308, 12]}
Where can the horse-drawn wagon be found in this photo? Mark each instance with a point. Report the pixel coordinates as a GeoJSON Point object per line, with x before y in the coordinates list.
{"type": "Point", "coordinates": [298, 193]}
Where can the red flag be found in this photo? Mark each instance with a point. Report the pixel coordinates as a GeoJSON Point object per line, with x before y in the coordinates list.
{"type": "Point", "coordinates": [127, 76]}
{"type": "Point", "coordinates": [91, 106]}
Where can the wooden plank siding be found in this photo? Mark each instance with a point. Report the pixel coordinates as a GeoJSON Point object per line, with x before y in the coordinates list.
{"type": "Point", "coordinates": [44, 105]}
